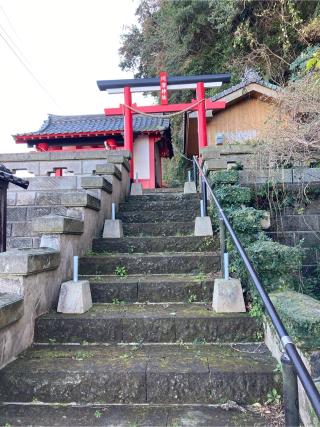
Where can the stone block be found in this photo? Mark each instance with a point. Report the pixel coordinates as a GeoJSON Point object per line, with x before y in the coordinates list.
{"type": "Point", "coordinates": [112, 229]}
{"type": "Point", "coordinates": [59, 210]}
{"type": "Point", "coordinates": [33, 212]}
{"type": "Point", "coordinates": [11, 309]}
{"type": "Point", "coordinates": [48, 183]}
{"type": "Point", "coordinates": [48, 198]}
{"type": "Point", "coordinates": [26, 198]}
{"type": "Point", "coordinates": [75, 297]}
{"type": "Point", "coordinates": [190, 187]}
{"type": "Point", "coordinates": [203, 226]}
{"type": "Point", "coordinates": [11, 198]}
{"type": "Point", "coordinates": [22, 229]}
{"type": "Point", "coordinates": [69, 165]}
{"type": "Point", "coordinates": [16, 214]}
{"type": "Point", "coordinates": [108, 169]}
{"type": "Point", "coordinates": [96, 182]}
{"type": "Point", "coordinates": [19, 243]}
{"type": "Point", "coordinates": [81, 199]}
{"type": "Point", "coordinates": [216, 164]}
{"type": "Point", "coordinates": [52, 224]}
{"type": "Point", "coordinates": [89, 166]}
{"type": "Point", "coordinates": [28, 261]}
{"type": "Point", "coordinates": [136, 189]}
{"type": "Point", "coordinates": [228, 296]}
{"type": "Point", "coordinates": [119, 160]}
{"type": "Point", "coordinates": [299, 313]}
{"type": "Point", "coordinates": [9, 230]}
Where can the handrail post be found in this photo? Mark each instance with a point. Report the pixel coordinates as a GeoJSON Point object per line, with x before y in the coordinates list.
{"type": "Point", "coordinates": [195, 175]}
{"type": "Point", "coordinates": [3, 215]}
{"type": "Point", "coordinates": [290, 392]}
{"type": "Point", "coordinates": [204, 196]}
{"type": "Point", "coordinates": [222, 234]}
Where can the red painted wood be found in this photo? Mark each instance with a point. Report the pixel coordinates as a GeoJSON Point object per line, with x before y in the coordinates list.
{"type": "Point", "coordinates": [202, 125]}
{"type": "Point", "coordinates": [170, 108]}
{"type": "Point", "coordinates": [152, 162]}
{"type": "Point", "coordinates": [164, 88]}
{"type": "Point", "coordinates": [23, 138]}
{"type": "Point", "coordinates": [128, 126]}
{"type": "Point", "coordinates": [58, 172]}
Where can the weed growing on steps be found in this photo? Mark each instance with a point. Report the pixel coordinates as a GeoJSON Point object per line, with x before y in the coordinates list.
{"type": "Point", "coordinates": [121, 271]}
{"type": "Point", "coordinates": [81, 355]}
{"type": "Point", "coordinates": [116, 301]}
{"type": "Point", "coordinates": [200, 276]}
{"type": "Point", "coordinates": [273, 397]}
{"type": "Point", "coordinates": [192, 298]}
{"type": "Point", "coordinates": [97, 414]}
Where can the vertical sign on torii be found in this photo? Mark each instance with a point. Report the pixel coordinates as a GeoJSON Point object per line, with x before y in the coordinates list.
{"type": "Point", "coordinates": [164, 84]}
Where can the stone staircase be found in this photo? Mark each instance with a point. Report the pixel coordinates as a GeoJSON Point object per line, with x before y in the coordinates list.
{"type": "Point", "coordinates": [150, 352]}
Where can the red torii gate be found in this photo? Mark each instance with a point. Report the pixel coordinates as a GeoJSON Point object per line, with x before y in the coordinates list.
{"type": "Point", "coordinates": [163, 84]}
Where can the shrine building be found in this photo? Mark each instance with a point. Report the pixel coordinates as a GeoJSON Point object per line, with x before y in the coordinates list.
{"type": "Point", "coordinates": [152, 140]}
{"type": "Point", "coordinates": [144, 131]}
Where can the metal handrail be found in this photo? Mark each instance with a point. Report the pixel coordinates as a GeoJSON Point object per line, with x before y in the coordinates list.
{"type": "Point", "coordinates": [287, 343]}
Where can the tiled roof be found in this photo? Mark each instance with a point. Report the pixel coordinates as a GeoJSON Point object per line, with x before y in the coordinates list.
{"type": "Point", "coordinates": [98, 123]}
{"type": "Point", "coordinates": [250, 76]}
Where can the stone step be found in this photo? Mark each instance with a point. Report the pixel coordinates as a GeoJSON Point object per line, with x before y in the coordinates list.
{"type": "Point", "coordinates": [155, 244]}
{"type": "Point", "coordinates": [152, 288]}
{"type": "Point", "coordinates": [155, 263]}
{"type": "Point", "coordinates": [122, 415]}
{"type": "Point", "coordinates": [160, 205]}
{"type": "Point", "coordinates": [159, 229]}
{"type": "Point", "coordinates": [154, 216]}
{"type": "Point", "coordinates": [156, 323]}
{"type": "Point", "coordinates": [155, 373]}
{"type": "Point", "coordinates": [155, 197]}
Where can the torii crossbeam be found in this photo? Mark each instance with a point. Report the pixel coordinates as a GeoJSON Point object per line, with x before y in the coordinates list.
{"type": "Point", "coordinates": [163, 84]}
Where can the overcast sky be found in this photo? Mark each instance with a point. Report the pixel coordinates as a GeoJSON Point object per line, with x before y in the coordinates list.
{"type": "Point", "coordinates": [68, 45]}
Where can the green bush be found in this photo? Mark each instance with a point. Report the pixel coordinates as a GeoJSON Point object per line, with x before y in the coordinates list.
{"type": "Point", "coordinates": [224, 177]}
{"type": "Point", "coordinates": [246, 220]}
{"type": "Point", "coordinates": [233, 195]}
{"type": "Point", "coordinates": [277, 265]}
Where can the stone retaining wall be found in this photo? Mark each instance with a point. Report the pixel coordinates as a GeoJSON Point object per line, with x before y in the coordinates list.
{"type": "Point", "coordinates": [50, 195]}
{"type": "Point", "coordinates": [60, 216]}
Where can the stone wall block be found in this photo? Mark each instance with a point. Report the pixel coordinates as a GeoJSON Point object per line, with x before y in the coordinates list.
{"type": "Point", "coordinates": [34, 212]}
{"type": "Point", "coordinates": [9, 229]}
{"type": "Point", "coordinates": [26, 164]}
{"type": "Point", "coordinates": [59, 210]}
{"type": "Point", "coordinates": [26, 198]}
{"type": "Point", "coordinates": [16, 214]}
{"type": "Point", "coordinates": [81, 199]}
{"type": "Point", "coordinates": [22, 229]}
{"type": "Point", "coordinates": [11, 198]}
{"type": "Point", "coordinates": [19, 243]}
{"type": "Point", "coordinates": [70, 165]}
{"type": "Point", "coordinates": [48, 198]}
{"type": "Point", "coordinates": [108, 169]}
{"type": "Point", "coordinates": [28, 261]}
{"type": "Point", "coordinates": [89, 166]}
{"type": "Point", "coordinates": [96, 182]}
{"type": "Point", "coordinates": [52, 224]}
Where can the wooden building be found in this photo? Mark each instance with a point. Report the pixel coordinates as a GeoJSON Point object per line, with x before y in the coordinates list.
{"type": "Point", "coordinates": [248, 107]}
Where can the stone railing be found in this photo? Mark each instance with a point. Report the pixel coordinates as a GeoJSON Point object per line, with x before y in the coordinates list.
{"type": "Point", "coordinates": [73, 162]}
{"type": "Point", "coordinates": [60, 216]}
{"type": "Point", "coordinates": [95, 173]}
